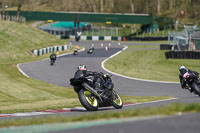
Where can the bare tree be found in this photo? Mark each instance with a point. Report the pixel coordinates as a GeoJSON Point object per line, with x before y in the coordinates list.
{"type": "Point", "coordinates": [101, 5]}
{"type": "Point", "coordinates": [171, 4]}
{"type": "Point", "coordinates": [111, 4]}
{"type": "Point", "coordinates": [132, 6]}
{"type": "Point", "coordinates": [18, 11]}
{"type": "Point", "coordinates": [158, 7]}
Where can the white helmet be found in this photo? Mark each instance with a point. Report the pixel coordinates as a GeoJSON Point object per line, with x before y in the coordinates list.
{"type": "Point", "coordinates": [82, 67]}
{"type": "Point", "coordinates": [182, 67]}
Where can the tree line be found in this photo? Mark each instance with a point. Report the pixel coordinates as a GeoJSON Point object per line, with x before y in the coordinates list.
{"type": "Point", "coordinates": [179, 9]}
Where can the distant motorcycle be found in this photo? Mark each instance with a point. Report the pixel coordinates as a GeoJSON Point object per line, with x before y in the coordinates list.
{"type": "Point", "coordinates": [52, 62]}
{"type": "Point", "coordinates": [52, 59]}
{"type": "Point", "coordinates": [75, 51]}
{"type": "Point", "coordinates": [192, 82]}
{"type": "Point", "coordinates": [90, 50]}
{"type": "Point", "coordinates": [77, 38]}
{"type": "Point", "coordinates": [92, 98]}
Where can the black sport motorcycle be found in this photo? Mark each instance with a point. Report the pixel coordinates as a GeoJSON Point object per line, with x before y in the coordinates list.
{"type": "Point", "coordinates": [52, 62]}
{"type": "Point", "coordinates": [192, 82]}
{"type": "Point", "coordinates": [75, 51]}
{"type": "Point", "coordinates": [90, 50]}
{"type": "Point", "coordinates": [77, 38]}
{"type": "Point", "coordinates": [92, 98]}
{"type": "Point", "coordinates": [52, 59]}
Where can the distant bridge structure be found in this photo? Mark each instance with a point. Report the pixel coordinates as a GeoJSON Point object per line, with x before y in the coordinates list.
{"type": "Point", "coordinates": [86, 17]}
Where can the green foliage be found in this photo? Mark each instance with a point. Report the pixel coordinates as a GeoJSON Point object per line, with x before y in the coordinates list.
{"type": "Point", "coordinates": [168, 8]}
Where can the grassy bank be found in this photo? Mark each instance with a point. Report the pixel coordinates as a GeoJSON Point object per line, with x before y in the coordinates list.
{"type": "Point", "coordinates": [148, 62]}
{"type": "Point", "coordinates": [172, 109]}
{"type": "Point", "coordinates": [18, 93]}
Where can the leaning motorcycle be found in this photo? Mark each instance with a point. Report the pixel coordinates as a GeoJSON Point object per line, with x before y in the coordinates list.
{"type": "Point", "coordinates": [90, 50]}
{"type": "Point", "coordinates": [75, 51]}
{"type": "Point", "coordinates": [91, 98]}
{"type": "Point", "coordinates": [192, 82]}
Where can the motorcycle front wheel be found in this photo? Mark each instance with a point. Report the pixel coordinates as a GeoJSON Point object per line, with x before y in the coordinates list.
{"type": "Point", "coordinates": [196, 88]}
{"type": "Point", "coordinates": [88, 100]}
{"type": "Point", "coordinates": [75, 53]}
{"type": "Point", "coordinates": [117, 101]}
{"type": "Point", "coordinates": [52, 62]}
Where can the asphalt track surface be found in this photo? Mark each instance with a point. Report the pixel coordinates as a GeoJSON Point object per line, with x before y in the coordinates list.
{"type": "Point", "coordinates": [66, 65]}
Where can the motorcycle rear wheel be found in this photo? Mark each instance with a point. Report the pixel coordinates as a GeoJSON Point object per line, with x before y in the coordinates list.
{"type": "Point", "coordinates": [196, 88]}
{"type": "Point", "coordinates": [88, 101]}
{"type": "Point", "coordinates": [117, 101]}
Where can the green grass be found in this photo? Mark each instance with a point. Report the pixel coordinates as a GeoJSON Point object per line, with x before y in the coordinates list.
{"type": "Point", "coordinates": [21, 94]}
{"type": "Point", "coordinates": [171, 109]}
{"type": "Point", "coordinates": [18, 93]}
{"type": "Point", "coordinates": [149, 64]}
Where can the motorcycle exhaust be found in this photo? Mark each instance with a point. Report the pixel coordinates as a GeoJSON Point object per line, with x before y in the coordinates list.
{"type": "Point", "coordinates": [89, 88]}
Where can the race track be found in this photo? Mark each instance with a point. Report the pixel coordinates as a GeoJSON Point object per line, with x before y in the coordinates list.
{"type": "Point", "coordinates": [66, 65]}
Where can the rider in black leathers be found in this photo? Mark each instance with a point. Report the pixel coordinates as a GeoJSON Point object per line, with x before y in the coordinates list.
{"type": "Point", "coordinates": [86, 73]}
{"type": "Point", "coordinates": [182, 71]}
{"type": "Point", "coordinates": [53, 56]}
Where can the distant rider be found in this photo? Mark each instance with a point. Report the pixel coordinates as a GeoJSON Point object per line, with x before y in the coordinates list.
{"type": "Point", "coordinates": [78, 36]}
{"type": "Point", "coordinates": [53, 57]}
{"type": "Point", "coordinates": [183, 73]}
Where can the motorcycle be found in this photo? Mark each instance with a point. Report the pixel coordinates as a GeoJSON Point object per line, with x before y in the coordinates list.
{"type": "Point", "coordinates": [77, 38]}
{"type": "Point", "coordinates": [52, 62]}
{"type": "Point", "coordinates": [75, 51]}
{"type": "Point", "coordinates": [52, 59]}
{"type": "Point", "coordinates": [90, 50]}
{"type": "Point", "coordinates": [192, 82]}
{"type": "Point", "coordinates": [90, 98]}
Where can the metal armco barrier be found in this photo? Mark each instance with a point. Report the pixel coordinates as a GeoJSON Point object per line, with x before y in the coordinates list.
{"type": "Point", "coordinates": [182, 55]}
{"type": "Point", "coordinates": [97, 38]}
{"type": "Point", "coordinates": [43, 51]}
{"type": "Point", "coordinates": [145, 38]}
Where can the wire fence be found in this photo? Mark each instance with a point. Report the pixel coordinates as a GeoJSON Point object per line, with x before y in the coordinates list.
{"type": "Point", "coordinates": [101, 31]}
{"type": "Point", "coordinates": [12, 18]}
{"type": "Point", "coordinates": [63, 32]}
{"type": "Point", "coordinates": [188, 40]}
{"type": "Point", "coordinates": [86, 30]}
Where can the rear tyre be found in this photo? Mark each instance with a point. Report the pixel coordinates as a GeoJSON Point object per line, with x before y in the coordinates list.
{"type": "Point", "coordinates": [196, 88]}
{"type": "Point", "coordinates": [117, 101]}
{"type": "Point", "coordinates": [88, 100]}
{"type": "Point", "coordinates": [52, 62]}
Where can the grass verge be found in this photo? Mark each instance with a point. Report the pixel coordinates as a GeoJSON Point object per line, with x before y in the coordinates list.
{"type": "Point", "coordinates": [18, 93]}
{"type": "Point", "coordinates": [148, 62]}
{"type": "Point", "coordinates": [164, 110]}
